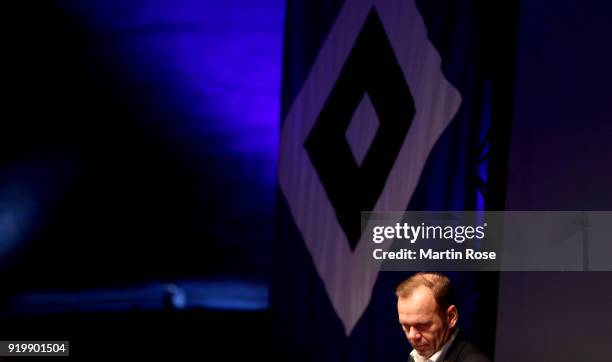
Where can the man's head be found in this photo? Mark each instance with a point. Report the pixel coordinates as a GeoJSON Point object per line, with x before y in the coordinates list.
{"type": "Point", "coordinates": [427, 311]}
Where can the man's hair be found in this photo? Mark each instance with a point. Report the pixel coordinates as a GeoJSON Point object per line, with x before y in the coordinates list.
{"type": "Point", "coordinates": [439, 284]}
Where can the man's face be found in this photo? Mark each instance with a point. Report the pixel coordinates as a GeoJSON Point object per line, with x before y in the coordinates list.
{"type": "Point", "coordinates": [426, 327]}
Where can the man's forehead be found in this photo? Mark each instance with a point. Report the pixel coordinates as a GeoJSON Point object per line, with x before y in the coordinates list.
{"type": "Point", "coordinates": [411, 319]}
{"type": "Point", "coordinates": [420, 302]}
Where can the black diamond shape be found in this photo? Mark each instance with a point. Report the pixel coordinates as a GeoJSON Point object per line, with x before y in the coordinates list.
{"type": "Point", "coordinates": [371, 68]}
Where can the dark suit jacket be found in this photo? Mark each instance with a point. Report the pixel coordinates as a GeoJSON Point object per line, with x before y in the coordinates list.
{"type": "Point", "coordinates": [462, 350]}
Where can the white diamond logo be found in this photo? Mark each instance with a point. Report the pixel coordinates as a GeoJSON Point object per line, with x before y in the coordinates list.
{"type": "Point", "coordinates": [347, 279]}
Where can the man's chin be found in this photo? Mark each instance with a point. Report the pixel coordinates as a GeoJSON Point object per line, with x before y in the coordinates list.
{"type": "Point", "coordinates": [423, 351]}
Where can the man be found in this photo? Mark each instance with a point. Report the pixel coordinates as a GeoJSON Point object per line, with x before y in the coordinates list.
{"type": "Point", "coordinates": [428, 315]}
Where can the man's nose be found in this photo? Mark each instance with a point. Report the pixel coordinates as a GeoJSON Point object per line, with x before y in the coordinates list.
{"type": "Point", "coordinates": [413, 333]}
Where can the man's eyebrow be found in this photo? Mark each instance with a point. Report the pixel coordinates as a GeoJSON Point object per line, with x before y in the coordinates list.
{"type": "Point", "coordinates": [424, 323]}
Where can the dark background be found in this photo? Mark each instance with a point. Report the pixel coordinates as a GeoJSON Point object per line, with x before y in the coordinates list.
{"type": "Point", "coordinates": [138, 147]}
{"type": "Point", "coordinates": [139, 141]}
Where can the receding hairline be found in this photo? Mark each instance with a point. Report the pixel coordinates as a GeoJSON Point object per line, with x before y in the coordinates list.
{"type": "Point", "coordinates": [438, 284]}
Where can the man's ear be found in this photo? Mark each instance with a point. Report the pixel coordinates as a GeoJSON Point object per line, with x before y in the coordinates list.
{"type": "Point", "coordinates": [452, 316]}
